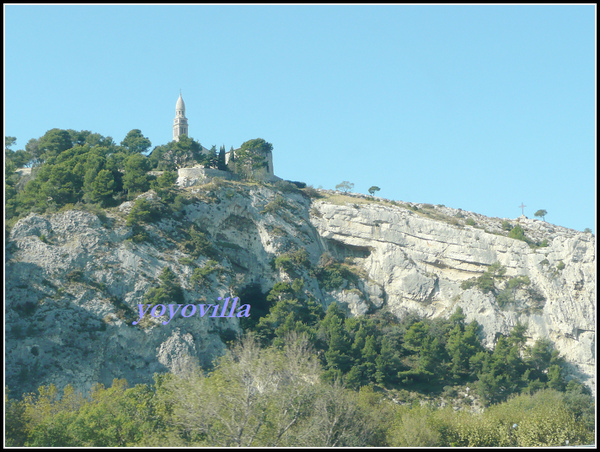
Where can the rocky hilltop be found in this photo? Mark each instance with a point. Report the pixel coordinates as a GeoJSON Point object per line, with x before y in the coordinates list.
{"type": "Point", "coordinates": [74, 279]}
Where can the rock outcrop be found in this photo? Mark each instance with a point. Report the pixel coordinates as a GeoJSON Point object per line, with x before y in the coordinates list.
{"type": "Point", "coordinates": [420, 264]}
{"type": "Point", "coordinates": [74, 279]}
{"type": "Point", "coordinates": [187, 177]}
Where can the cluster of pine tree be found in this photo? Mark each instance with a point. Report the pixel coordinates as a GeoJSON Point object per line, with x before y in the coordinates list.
{"type": "Point", "coordinates": [301, 376]}
{"type": "Point", "coordinates": [87, 169]}
{"type": "Point", "coordinates": [304, 377]}
{"type": "Point", "coordinates": [282, 396]}
{"type": "Point", "coordinates": [417, 354]}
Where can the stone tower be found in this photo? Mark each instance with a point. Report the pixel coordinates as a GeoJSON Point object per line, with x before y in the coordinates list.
{"type": "Point", "coordinates": [180, 124]}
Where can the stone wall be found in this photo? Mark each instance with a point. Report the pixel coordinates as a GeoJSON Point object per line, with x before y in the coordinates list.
{"type": "Point", "coordinates": [187, 177]}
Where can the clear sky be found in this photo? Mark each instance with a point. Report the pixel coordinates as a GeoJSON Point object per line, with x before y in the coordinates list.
{"type": "Point", "coordinates": [474, 107]}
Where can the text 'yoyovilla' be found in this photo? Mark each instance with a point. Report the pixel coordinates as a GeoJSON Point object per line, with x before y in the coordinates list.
{"type": "Point", "coordinates": [190, 309]}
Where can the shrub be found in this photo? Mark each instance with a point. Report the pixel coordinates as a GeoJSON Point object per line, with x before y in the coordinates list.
{"type": "Point", "coordinates": [312, 192]}
{"type": "Point", "coordinates": [141, 212]}
{"type": "Point", "coordinates": [275, 205]}
{"type": "Point", "coordinates": [198, 244]}
{"type": "Point", "coordinates": [27, 308]}
{"type": "Point", "coordinates": [506, 225]}
{"type": "Point", "coordinates": [17, 331]}
{"type": "Point", "coordinates": [561, 265]}
{"type": "Point", "coordinates": [165, 180]}
{"type": "Point", "coordinates": [284, 262]}
{"type": "Point", "coordinates": [470, 222]}
{"type": "Point", "coordinates": [169, 291]}
{"type": "Point", "coordinates": [292, 261]}
{"type": "Point", "coordinates": [518, 281]}
{"type": "Point", "coordinates": [507, 295]}
{"type": "Point", "coordinates": [200, 274]}
{"type": "Point", "coordinates": [332, 275]}
{"type": "Point", "coordinates": [450, 392]}
{"type": "Point", "coordinates": [485, 282]}
{"type": "Point", "coordinates": [414, 428]}
{"type": "Point", "coordinates": [544, 243]}
{"type": "Point", "coordinates": [286, 186]}
{"type": "Point", "coordinates": [331, 278]}
{"type": "Point", "coordinates": [504, 297]}
{"type": "Point", "coordinates": [518, 233]}
{"type": "Point", "coordinates": [186, 261]}
{"type": "Point", "coordinates": [139, 234]}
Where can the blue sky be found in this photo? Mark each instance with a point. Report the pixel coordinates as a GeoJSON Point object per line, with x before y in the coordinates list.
{"type": "Point", "coordinates": [474, 107]}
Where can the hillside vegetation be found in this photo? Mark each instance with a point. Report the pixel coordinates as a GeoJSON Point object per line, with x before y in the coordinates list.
{"type": "Point", "coordinates": [330, 356]}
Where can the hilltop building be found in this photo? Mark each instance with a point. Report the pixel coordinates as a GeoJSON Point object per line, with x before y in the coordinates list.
{"type": "Point", "coordinates": [180, 123]}
{"type": "Point", "coordinates": [262, 171]}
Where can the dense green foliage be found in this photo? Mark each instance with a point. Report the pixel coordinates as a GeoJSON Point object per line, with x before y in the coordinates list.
{"type": "Point", "coordinates": [136, 179]}
{"type": "Point", "coordinates": [179, 154]}
{"type": "Point", "coordinates": [417, 354]}
{"type": "Point", "coordinates": [302, 376]}
{"type": "Point", "coordinates": [486, 282]}
{"type": "Point", "coordinates": [292, 261]}
{"type": "Point", "coordinates": [221, 159]}
{"type": "Point", "coordinates": [197, 244]}
{"type": "Point", "coordinates": [280, 396]}
{"type": "Point", "coordinates": [518, 233]}
{"type": "Point", "coordinates": [168, 292]}
{"type": "Point", "coordinates": [78, 169]}
{"type": "Point", "coordinates": [275, 205]}
{"type": "Point", "coordinates": [373, 189]}
{"type": "Point", "coordinates": [136, 142]}
{"type": "Point", "coordinates": [333, 275]}
{"type": "Point", "coordinates": [87, 170]}
{"type": "Point", "coordinates": [250, 157]}
{"type": "Point", "coordinates": [541, 213]}
{"type": "Point", "coordinates": [199, 277]}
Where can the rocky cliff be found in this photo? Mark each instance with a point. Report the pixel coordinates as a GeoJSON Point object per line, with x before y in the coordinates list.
{"type": "Point", "coordinates": [74, 278]}
{"type": "Point", "coordinates": [420, 259]}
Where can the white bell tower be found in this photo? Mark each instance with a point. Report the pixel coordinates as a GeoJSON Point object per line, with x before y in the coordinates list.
{"type": "Point", "coordinates": [180, 124]}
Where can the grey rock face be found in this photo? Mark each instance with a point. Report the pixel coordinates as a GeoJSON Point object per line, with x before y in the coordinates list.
{"type": "Point", "coordinates": [421, 262]}
{"type": "Point", "coordinates": [70, 303]}
{"type": "Point", "coordinates": [177, 352]}
{"type": "Point", "coordinates": [74, 281]}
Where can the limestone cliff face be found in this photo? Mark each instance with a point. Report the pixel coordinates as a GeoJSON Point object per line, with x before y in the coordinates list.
{"type": "Point", "coordinates": [420, 262]}
{"type": "Point", "coordinates": [74, 280]}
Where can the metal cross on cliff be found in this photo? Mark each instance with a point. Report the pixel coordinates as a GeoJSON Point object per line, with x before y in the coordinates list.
{"type": "Point", "coordinates": [522, 206]}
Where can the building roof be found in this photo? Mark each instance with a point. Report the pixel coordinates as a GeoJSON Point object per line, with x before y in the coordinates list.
{"type": "Point", "coordinates": [180, 104]}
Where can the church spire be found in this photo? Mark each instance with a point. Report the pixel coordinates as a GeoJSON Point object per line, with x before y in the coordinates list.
{"type": "Point", "coordinates": [180, 124]}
